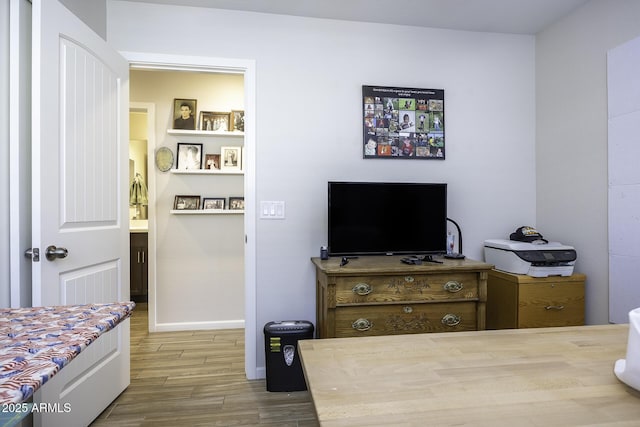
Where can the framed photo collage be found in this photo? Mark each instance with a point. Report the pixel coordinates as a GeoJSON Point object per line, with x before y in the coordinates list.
{"type": "Point", "coordinates": [405, 123]}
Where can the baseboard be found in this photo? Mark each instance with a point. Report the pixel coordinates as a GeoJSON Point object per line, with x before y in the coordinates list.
{"type": "Point", "coordinates": [261, 372]}
{"type": "Point", "coordinates": [198, 326]}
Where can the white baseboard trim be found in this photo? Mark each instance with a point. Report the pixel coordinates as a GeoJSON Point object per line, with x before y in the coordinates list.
{"type": "Point", "coordinates": [199, 326]}
{"type": "Point", "coordinates": [261, 372]}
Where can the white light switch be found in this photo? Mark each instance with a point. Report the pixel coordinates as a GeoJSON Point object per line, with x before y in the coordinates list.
{"type": "Point", "coordinates": [272, 210]}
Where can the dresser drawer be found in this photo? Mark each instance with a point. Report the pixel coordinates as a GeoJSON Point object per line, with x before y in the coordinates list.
{"type": "Point", "coordinates": [551, 304]}
{"type": "Point", "coordinates": [391, 319]}
{"type": "Point", "coordinates": [401, 288]}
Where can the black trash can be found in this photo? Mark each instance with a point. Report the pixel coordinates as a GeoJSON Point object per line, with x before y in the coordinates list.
{"type": "Point", "coordinates": [284, 370]}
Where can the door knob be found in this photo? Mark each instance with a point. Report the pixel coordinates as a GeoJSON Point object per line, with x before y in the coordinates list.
{"type": "Point", "coordinates": [53, 253]}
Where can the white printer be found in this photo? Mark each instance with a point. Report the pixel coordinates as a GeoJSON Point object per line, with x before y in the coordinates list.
{"type": "Point", "coordinates": [539, 259]}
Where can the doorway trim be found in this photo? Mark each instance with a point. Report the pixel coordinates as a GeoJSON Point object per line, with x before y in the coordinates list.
{"type": "Point", "coordinates": [150, 109]}
{"type": "Point", "coordinates": [247, 67]}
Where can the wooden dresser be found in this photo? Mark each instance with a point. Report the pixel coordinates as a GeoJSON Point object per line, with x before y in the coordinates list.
{"type": "Point", "coordinates": [380, 295]}
{"type": "Point", "coordinates": [520, 301]}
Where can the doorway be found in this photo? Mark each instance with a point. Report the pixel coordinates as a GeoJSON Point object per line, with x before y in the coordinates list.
{"type": "Point", "coordinates": [141, 142]}
{"type": "Point", "coordinates": [140, 61]}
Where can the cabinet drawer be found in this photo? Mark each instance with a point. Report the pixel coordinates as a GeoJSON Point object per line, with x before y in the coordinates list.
{"type": "Point", "coordinates": [392, 319]}
{"type": "Point", "coordinates": [551, 304]}
{"type": "Point", "coordinates": [399, 288]}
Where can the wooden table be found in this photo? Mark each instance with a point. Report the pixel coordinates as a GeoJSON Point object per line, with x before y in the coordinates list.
{"type": "Point", "coordinates": [526, 377]}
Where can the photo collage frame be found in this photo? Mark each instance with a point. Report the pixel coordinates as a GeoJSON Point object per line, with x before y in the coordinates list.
{"type": "Point", "coordinates": [403, 123]}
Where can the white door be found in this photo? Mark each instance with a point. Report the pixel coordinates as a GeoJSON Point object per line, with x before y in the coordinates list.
{"type": "Point", "coordinates": [80, 176]}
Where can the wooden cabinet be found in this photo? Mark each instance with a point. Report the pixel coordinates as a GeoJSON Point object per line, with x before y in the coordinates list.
{"type": "Point", "coordinates": [138, 277]}
{"type": "Point", "coordinates": [380, 295]}
{"type": "Point", "coordinates": [520, 301]}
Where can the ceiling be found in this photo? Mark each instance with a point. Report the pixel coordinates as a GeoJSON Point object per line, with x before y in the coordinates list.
{"type": "Point", "coordinates": [500, 16]}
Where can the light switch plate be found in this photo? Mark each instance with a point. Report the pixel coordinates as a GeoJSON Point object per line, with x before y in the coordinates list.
{"type": "Point", "coordinates": [272, 210]}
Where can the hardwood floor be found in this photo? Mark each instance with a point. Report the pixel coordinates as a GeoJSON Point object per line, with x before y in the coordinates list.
{"type": "Point", "coordinates": [197, 378]}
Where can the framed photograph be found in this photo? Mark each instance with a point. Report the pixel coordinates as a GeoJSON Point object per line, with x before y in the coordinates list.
{"type": "Point", "coordinates": [184, 113]}
{"type": "Point", "coordinates": [236, 203]}
{"type": "Point", "coordinates": [213, 203]}
{"type": "Point", "coordinates": [181, 203]}
{"type": "Point", "coordinates": [189, 156]}
{"type": "Point", "coordinates": [230, 158]}
{"type": "Point", "coordinates": [212, 161]}
{"type": "Point", "coordinates": [214, 121]}
{"type": "Point", "coordinates": [403, 123]}
{"type": "Point", "coordinates": [237, 120]}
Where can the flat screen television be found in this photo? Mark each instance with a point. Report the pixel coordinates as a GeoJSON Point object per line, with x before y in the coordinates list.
{"type": "Point", "coordinates": [385, 218]}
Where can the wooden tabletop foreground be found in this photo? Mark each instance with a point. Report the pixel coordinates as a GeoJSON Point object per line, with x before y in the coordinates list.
{"type": "Point", "coordinates": [524, 377]}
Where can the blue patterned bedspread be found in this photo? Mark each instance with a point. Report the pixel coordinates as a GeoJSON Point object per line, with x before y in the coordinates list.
{"type": "Point", "coordinates": [37, 342]}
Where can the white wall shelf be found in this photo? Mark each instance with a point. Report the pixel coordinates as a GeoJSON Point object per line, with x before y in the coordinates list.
{"type": "Point", "coordinates": [186, 132]}
{"type": "Point", "coordinates": [205, 172]}
{"type": "Point", "coordinates": [207, 211]}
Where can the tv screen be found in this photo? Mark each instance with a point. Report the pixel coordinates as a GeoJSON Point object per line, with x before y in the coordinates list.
{"type": "Point", "coordinates": [374, 218]}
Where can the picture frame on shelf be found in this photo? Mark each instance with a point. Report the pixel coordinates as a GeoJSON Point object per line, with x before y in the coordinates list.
{"type": "Point", "coordinates": [237, 120]}
{"type": "Point", "coordinates": [186, 203]}
{"type": "Point", "coordinates": [231, 159]}
{"type": "Point", "coordinates": [184, 113]}
{"type": "Point", "coordinates": [215, 121]}
{"type": "Point", "coordinates": [216, 203]}
{"type": "Point", "coordinates": [236, 203]}
{"type": "Point", "coordinates": [212, 161]}
{"type": "Point", "coordinates": [189, 156]}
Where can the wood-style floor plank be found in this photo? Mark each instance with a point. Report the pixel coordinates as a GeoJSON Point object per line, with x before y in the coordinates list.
{"type": "Point", "coordinates": [196, 378]}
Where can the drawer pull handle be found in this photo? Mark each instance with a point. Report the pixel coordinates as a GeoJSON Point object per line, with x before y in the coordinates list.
{"type": "Point", "coordinates": [453, 286]}
{"type": "Point", "coordinates": [450, 320]}
{"type": "Point", "coordinates": [554, 307]}
{"type": "Point", "coordinates": [407, 309]}
{"type": "Point", "coordinates": [362, 289]}
{"type": "Point", "coordinates": [362, 325]}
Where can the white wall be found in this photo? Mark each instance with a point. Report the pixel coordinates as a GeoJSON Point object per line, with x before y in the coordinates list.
{"type": "Point", "coordinates": [571, 135]}
{"type": "Point", "coordinates": [91, 12]}
{"type": "Point", "coordinates": [623, 83]}
{"type": "Point", "coordinates": [310, 74]}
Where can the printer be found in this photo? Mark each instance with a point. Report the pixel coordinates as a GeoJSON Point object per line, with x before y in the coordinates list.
{"type": "Point", "coordinates": [539, 259]}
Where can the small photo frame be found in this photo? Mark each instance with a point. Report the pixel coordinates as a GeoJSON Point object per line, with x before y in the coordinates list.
{"type": "Point", "coordinates": [236, 203]}
{"type": "Point", "coordinates": [184, 113]}
{"type": "Point", "coordinates": [189, 156]}
{"type": "Point", "coordinates": [183, 203]}
{"type": "Point", "coordinates": [212, 161]}
{"type": "Point", "coordinates": [214, 121]}
{"type": "Point", "coordinates": [231, 158]}
{"type": "Point", "coordinates": [237, 120]}
{"type": "Point", "coordinates": [209, 203]}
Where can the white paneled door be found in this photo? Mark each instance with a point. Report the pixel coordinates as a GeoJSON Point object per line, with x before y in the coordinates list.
{"type": "Point", "coordinates": [80, 225]}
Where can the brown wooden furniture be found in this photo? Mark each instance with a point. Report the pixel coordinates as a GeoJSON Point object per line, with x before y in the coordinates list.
{"type": "Point", "coordinates": [520, 301]}
{"type": "Point", "coordinates": [380, 295]}
{"type": "Point", "coordinates": [515, 377]}
{"type": "Point", "coordinates": [138, 267]}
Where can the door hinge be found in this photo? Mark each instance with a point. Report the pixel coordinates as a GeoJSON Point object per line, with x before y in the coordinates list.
{"type": "Point", "coordinates": [33, 253]}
